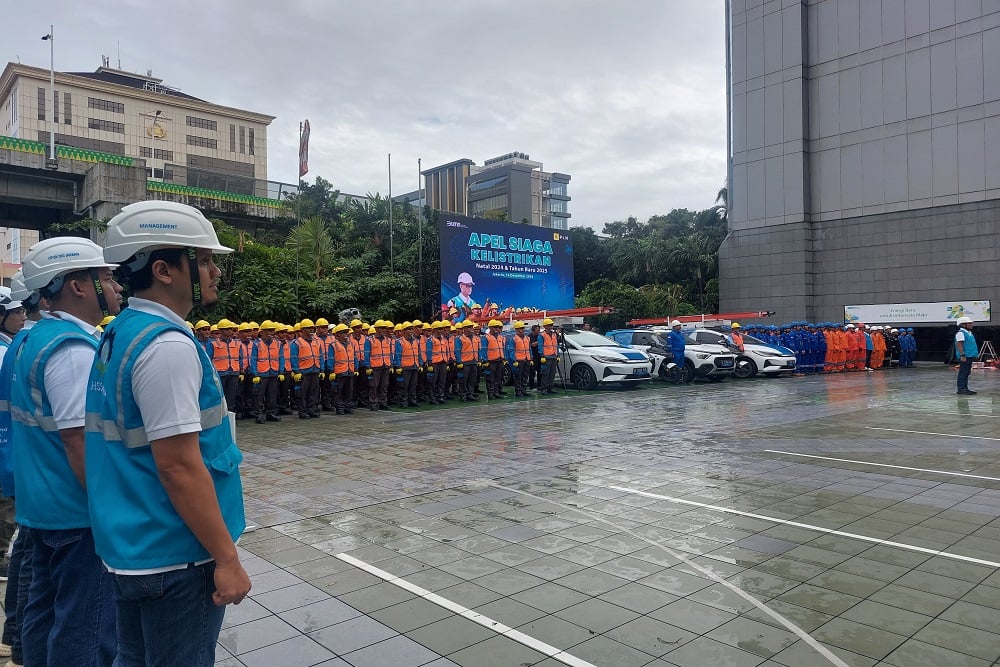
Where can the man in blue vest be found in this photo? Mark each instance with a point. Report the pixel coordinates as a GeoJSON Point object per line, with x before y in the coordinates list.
{"type": "Point", "coordinates": [676, 341]}
{"type": "Point", "coordinates": [967, 351]}
{"type": "Point", "coordinates": [69, 618]}
{"type": "Point", "coordinates": [162, 463]}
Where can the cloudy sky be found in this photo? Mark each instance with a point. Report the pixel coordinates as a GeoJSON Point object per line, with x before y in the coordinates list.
{"type": "Point", "coordinates": [627, 96]}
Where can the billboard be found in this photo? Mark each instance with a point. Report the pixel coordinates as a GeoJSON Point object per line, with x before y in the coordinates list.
{"type": "Point", "coordinates": [501, 265]}
{"type": "Point", "coordinates": [913, 313]}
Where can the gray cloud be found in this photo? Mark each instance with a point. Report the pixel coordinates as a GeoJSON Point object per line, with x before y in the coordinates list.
{"type": "Point", "coordinates": [628, 96]}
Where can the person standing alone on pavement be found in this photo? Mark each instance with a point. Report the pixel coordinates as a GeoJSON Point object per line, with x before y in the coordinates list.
{"type": "Point", "coordinates": [966, 350]}
{"type": "Point", "coordinates": [166, 500]}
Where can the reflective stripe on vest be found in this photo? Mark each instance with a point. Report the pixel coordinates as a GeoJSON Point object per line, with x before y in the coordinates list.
{"type": "Point", "coordinates": [409, 357]}
{"type": "Point", "coordinates": [308, 359]}
{"type": "Point", "coordinates": [226, 356]}
{"type": "Point", "coordinates": [439, 351]}
{"type": "Point", "coordinates": [267, 357]}
{"type": "Point", "coordinates": [522, 348]}
{"type": "Point", "coordinates": [494, 347]}
{"type": "Point", "coordinates": [549, 344]}
{"type": "Point", "coordinates": [468, 349]}
{"type": "Point", "coordinates": [343, 357]}
{"type": "Point", "coordinates": [380, 354]}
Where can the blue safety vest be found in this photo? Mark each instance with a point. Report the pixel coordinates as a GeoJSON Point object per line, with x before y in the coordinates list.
{"type": "Point", "coordinates": [50, 496]}
{"type": "Point", "coordinates": [6, 444]}
{"type": "Point", "coordinates": [971, 349]}
{"type": "Point", "coordinates": [135, 525]}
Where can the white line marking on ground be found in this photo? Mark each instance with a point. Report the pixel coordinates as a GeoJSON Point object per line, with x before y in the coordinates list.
{"type": "Point", "coordinates": [943, 435]}
{"type": "Point", "coordinates": [885, 465]}
{"type": "Point", "coordinates": [465, 612]}
{"type": "Point", "coordinates": [790, 626]}
{"type": "Point", "coordinates": [821, 529]}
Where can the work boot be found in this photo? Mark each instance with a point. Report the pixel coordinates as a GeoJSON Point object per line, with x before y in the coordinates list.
{"type": "Point", "coordinates": [273, 418]}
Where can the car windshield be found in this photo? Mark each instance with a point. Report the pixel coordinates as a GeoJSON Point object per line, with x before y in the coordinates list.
{"type": "Point", "coordinates": [747, 338]}
{"type": "Point", "coordinates": [659, 341]}
{"type": "Point", "coordinates": [590, 339]}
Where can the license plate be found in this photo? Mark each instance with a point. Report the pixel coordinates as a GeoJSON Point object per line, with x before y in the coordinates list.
{"type": "Point", "coordinates": [725, 363]}
{"type": "Point", "coordinates": [640, 371]}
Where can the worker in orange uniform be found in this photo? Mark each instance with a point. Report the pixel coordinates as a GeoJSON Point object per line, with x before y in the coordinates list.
{"type": "Point", "coordinates": [548, 344]}
{"type": "Point", "coordinates": [307, 363]}
{"type": "Point", "coordinates": [517, 352]}
{"type": "Point", "coordinates": [341, 369]}
{"type": "Point", "coordinates": [492, 353]}
{"type": "Point", "coordinates": [229, 359]}
{"type": "Point", "coordinates": [406, 362]}
{"type": "Point", "coordinates": [264, 369]}
{"type": "Point", "coordinates": [436, 354]}
{"type": "Point", "coordinates": [378, 360]}
{"type": "Point", "coordinates": [357, 340]}
{"type": "Point", "coordinates": [465, 360]}
{"type": "Point", "coordinates": [325, 381]}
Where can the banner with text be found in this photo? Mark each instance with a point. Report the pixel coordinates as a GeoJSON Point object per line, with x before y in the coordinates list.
{"type": "Point", "coordinates": [501, 265]}
{"type": "Point", "coordinates": [913, 313]}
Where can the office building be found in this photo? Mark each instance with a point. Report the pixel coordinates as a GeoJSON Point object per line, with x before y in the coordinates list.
{"type": "Point", "coordinates": [864, 154]}
{"type": "Point", "coordinates": [510, 187]}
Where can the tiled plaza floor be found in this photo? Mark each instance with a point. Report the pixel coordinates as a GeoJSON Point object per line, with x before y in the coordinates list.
{"type": "Point", "coordinates": [668, 525]}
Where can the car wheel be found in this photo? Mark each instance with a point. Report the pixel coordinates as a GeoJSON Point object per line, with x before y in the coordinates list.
{"type": "Point", "coordinates": [745, 368]}
{"type": "Point", "coordinates": [583, 377]}
{"type": "Point", "coordinates": [687, 373]}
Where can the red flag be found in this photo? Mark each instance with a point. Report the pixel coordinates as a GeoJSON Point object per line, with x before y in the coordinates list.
{"type": "Point", "coordinates": [304, 150]}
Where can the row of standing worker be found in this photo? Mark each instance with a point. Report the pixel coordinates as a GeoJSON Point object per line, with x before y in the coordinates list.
{"type": "Point", "coordinates": [273, 369]}
{"type": "Point", "coordinates": [831, 347]}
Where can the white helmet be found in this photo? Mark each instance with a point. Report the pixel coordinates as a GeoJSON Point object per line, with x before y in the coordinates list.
{"type": "Point", "coordinates": [19, 292]}
{"type": "Point", "coordinates": [963, 320]}
{"type": "Point", "coordinates": [675, 323]}
{"type": "Point", "coordinates": [47, 261]}
{"type": "Point", "coordinates": [146, 226]}
{"type": "Point", "coordinates": [465, 278]}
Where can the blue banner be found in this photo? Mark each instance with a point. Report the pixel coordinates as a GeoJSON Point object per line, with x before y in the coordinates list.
{"type": "Point", "coordinates": [503, 267]}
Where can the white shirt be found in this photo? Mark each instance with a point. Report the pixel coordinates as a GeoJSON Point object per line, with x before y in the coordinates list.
{"type": "Point", "coordinates": [166, 378]}
{"type": "Point", "coordinates": [66, 374]}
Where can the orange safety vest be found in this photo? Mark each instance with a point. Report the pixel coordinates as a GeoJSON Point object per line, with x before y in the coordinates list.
{"type": "Point", "coordinates": [226, 356]}
{"type": "Point", "coordinates": [522, 348]}
{"type": "Point", "coordinates": [409, 355]}
{"type": "Point", "coordinates": [309, 354]}
{"type": "Point", "coordinates": [267, 356]}
{"type": "Point", "coordinates": [439, 350]}
{"type": "Point", "coordinates": [469, 353]}
{"type": "Point", "coordinates": [381, 351]}
{"type": "Point", "coordinates": [358, 345]}
{"type": "Point", "coordinates": [449, 343]}
{"type": "Point", "coordinates": [342, 357]}
{"type": "Point", "coordinates": [550, 343]}
{"type": "Point", "coordinates": [494, 347]}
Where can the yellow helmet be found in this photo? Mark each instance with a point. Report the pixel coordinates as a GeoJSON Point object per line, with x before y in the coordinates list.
{"type": "Point", "coordinates": [341, 327]}
{"type": "Point", "coordinates": [307, 323]}
{"type": "Point", "coordinates": [202, 324]}
{"type": "Point", "coordinates": [355, 323]}
{"type": "Point", "coordinates": [107, 320]}
{"type": "Point", "coordinates": [425, 325]}
{"type": "Point", "coordinates": [188, 322]}
{"type": "Point", "coordinates": [418, 323]}
{"type": "Point", "coordinates": [244, 326]}
{"type": "Point", "coordinates": [321, 322]}
{"type": "Point", "coordinates": [476, 305]}
{"type": "Point", "coordinates": [226, 324]}
{"type": "Point", "coordinates": [371, 330]}
{"type": "Point", "coordinates": [398, 327]}
{"type": "Point", "coordinates": [547, 321]}
{"type": "Point", "coordinates": [297, 327]}
{"type": "Point", "coordinates": [214, 327]}
{"type": "Point", "coordinates": [519, 324]}
{"type": "Point", "coordinates": [267, 324]}
{"type": "Point", "coordinates": [735, 325]}
{"type": "Point", "coordinates": [254, 325]}
{"type": "Point", "coordinates": [388, 324]}
{"type": "Point", "coordinates": [406, 325]}
{"type": "Point", "coordinates": [495, 323]}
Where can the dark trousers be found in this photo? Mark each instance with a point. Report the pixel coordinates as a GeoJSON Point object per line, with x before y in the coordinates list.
{"type": "Point", "coordinates": [265, 397]}
{"type": "Point", "coordinates": [440, 385]}
{"type": "Point", "coordinates": [964, 370]}
{"type": "Point", "coordinates": [547, 374]}
{"type": "Point", "coordinates": [535, 373]}
{"type": "Point", "coordinates": [231, 389]}
{"type": "Point", "coordinates": [326, 397]}
{"type": "Point", "coordinates": [378, 386]}
{"type": "Point", "coordinates": [284, 394]}
{"type": "Point", "coordinates": [361, 386]}
{"type": "Point", "coordinates": [343, 391]}
{"type": "Point", "coordinates": [168, 618]}
{"type": "Point", "coordinates": [520, 372]}
{"type": "Point", "coordinates": [309, 394]}
{"type": "Point", "coordinates": [494, 381]}
{"type": "Point", "coordinates": [16, 597]}
{"type": "Point", "coordinates": [406, 386]}
{"type": "Point", "coordinates": [70, 615]}
{"type": "Point", "coordinates": [245, 396]}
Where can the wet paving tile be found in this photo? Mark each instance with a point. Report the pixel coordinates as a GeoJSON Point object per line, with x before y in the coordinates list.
{"type": "Point", "coordinates": [625, 579]}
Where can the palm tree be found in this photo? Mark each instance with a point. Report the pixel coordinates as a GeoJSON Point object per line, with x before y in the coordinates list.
{"type": "Point", "coordinates": [640, 259]}
{"type": "Point", "coordinates": [695, 254]}
{"type": "Point", "coordinates": [312, 242]}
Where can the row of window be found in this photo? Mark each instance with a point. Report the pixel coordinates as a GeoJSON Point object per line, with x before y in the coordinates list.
{"type": "Point", "coordinates": [156, 153]}
{"type": "Point", "coordinates": [204, 123]}
{"type": "Point", "coordinates": [106, 125]}
{"type": "Point", "coordinates": [244, 144]}
{"type": "Point", "coordinates": [67, 106]}
{"type": "Point", "coordinates": [479, 186]}
{"type": "Point", "coordinates": [204, 142]}
{"type": "Point", "coordinates": [105, 105]}
{"type": "Point", "coordinates": [499, 202]}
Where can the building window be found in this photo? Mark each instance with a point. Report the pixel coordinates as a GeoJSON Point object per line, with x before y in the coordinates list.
{"type": "Point", "coordinates": [232, 138]}
{"type": "Point", "coordinates": [105, 105]}
{"type": "Point", "coordinates": [243, 139]}
{"type": "Point", "coordinates": [250, 140]}
{"type": "Point", "coordinates": [55, 106]}
{"type": "Point", "coordinates": [204, 142]}
{"type": "Point", "coordinates": [105, 125]}
{"type": "Point", "coordinates": [204, 123]}
{"type": "Point", "coordinates": [497, 203]}
{"type": "Point", "coordinates": [555, 206]}
{"type": "Point", "coordinates": [67, 109]}
{"type": "Point", "coordinates": [157, 153]}
{"type": "Point", "coordinates": [41, 104]}
{"type": "Point", "coordinates": [487, 184]}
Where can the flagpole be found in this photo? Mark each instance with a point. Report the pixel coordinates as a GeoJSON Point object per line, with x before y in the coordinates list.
{"type": "Point", "coordinates": [420, 242]}
{"type": "Point", "coordinates": [298, 218]}
{"type": "Point", "coordinates": [391, 269]}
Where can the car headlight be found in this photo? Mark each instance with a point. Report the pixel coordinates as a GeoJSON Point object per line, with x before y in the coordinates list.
{"type": "Point", "coordinates": [702, 355]}
{"type": "Point", "coordinates": [760, 353]}
{"type": "Point", "coordinates": [606, 360]}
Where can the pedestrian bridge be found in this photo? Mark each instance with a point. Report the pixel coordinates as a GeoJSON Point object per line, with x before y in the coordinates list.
{"type": "Point", "coordinates": [37, 192]}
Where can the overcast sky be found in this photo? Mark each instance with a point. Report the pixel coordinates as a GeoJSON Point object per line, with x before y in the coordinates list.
{"type": "Point", "coordinates": [626, 96]}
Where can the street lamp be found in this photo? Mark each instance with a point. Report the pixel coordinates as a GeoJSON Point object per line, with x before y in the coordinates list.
{"type": "Point", "coordinates": [52, 90]}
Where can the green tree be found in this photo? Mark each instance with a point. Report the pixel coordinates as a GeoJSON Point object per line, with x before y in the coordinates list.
{"type": "Point", "coordinates": [312, 245]}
